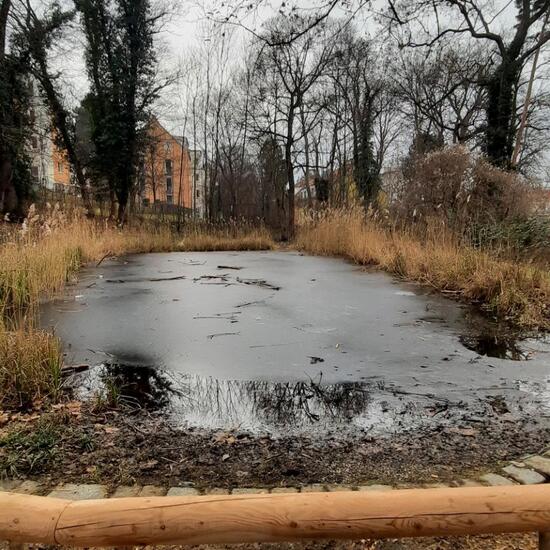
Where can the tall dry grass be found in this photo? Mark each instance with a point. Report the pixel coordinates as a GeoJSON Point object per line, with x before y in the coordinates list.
{"type": "Point", "coordinates": [516, 292]}
{"type": "Point", "coordinates": [39, 259]}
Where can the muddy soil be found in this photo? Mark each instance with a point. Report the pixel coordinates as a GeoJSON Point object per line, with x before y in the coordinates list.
{"type": "Point", "coordinates": [74, 444]}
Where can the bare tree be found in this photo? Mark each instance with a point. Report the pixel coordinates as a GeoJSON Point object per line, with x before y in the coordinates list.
{"type": "Point", "coordinates": [441, 92]}
{"type": "Point", "coordinates": [481, 21]}
{"type": "Point", "coordinates": [295, 67]}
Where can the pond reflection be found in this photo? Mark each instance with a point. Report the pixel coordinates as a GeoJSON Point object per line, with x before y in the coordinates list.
{"type": "Point", "coordinates": [140, 386]}
{"type": "Point", "coordinates": [501, 346]}
{"type": "Point", "coordinates": [208, 402]}
{"type": "Point", "coordinates": [299, 407]}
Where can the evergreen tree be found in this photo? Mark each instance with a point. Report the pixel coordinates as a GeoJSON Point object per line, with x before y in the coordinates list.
{"type": "Point", "coordinates": [121, 63]}
{"type": "Point", "coordinates": [15, 178]}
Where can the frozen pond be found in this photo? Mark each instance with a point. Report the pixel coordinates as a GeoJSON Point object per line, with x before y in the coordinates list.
{"type": "Point", "coordinates": [280, 342]}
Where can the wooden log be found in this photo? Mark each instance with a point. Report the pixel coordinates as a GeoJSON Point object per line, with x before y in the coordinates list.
{"type": "Point", "coordinates": [25, 518]}
{"type": "Point", "coordinates": [227, 519]}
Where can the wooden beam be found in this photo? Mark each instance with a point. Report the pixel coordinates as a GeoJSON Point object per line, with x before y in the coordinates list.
{"type": "Point", "coordinates": [274, 518]}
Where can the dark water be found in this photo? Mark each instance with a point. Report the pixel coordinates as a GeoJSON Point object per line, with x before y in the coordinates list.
{"type": "Point", "coordinates": [278, 342]}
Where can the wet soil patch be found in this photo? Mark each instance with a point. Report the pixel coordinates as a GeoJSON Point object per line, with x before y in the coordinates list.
{"type": "Point", "coordinates": [130, 445]}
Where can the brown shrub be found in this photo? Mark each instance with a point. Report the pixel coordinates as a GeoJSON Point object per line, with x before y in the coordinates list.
{"type": "Point", "coordinates": [458, 188]}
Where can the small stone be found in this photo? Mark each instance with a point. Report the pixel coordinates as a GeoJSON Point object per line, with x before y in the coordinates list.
{"type": "Point", "coordinates": [218, 491]}
{"type": "Point", "coordinates": [495, 480]}
{"type": "Point", "coordinates": [375, 488]}
{"type": "Point", "coordinates": [29, 487]}
{"type": "Point", "coordinates": [314, 488]}
{"type": "Point", "coordinates": [539, 463]}
{"type": "Point", "coordinates": [72, 491]}
{"type": "Point", "coordinates": [339, 488]}
{"type": "Point", "coordinates": [470, 483]}
{"type": "Point", "coordinates": [125, 491]}
{"type": "Point", "coordinates": [525, 476]}
{"type": "Point", "coordinates": [250, 491]}
{"type": "Point", "coordinates": [152, 491]}
{"type": "Point", "coordinates": [8, 485]}
{"type": "Point", "coordinates": [182, 492]}
{"type": "Point", "coordinates": [278, 490]}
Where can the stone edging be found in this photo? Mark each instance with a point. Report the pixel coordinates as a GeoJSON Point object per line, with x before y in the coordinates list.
{"type": "Point", "coordinates": [533, 469]}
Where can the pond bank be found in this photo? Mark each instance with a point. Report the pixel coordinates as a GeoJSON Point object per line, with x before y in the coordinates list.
{"type": "Point", "coordinates": [517, 292]}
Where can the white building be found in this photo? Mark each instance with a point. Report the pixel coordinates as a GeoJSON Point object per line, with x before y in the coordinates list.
{"type": "Point", "coordinates": [198, 184]}
{"type": "Point", "coordinates": [40, 146]}
{"type": "Point", "coordinates": [49, 165]}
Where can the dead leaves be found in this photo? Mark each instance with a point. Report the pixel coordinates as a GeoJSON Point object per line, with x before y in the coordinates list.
{"type": "Point", "coordinates": [74, 408]}
{"type": "Point", "coordinates": [224, 438]}
{"type": "Point", "coordinates": [466, 432]}
{"type": "Point", "coordinates": [149, 465]}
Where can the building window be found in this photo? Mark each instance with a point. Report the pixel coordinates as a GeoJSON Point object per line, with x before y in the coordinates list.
{"type": "Point", "coordinates": [168, 186]}
{"type": "Point", "coordinates": [34, 172]}
{"type": "Point", "coordinates": [60, 167]}
{"type": "Point", "coordinates": [198, 193]}
{"type": "Point", "coordinates": [169, 199]}
{"type": "Point", "coordinates": [167, 147]}
{"type": "Point", "coordinates": [168, 167]}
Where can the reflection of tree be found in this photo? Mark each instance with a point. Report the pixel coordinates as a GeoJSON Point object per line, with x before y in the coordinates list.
{"type": "Point", "coordinates": [260, 402]}
{"type": "Point", "coordinates": [502, 346]}
{"type": "Point", "coordinates": [140, 386]}
{"type": "Point", "coordinates": [222, 403]}
{"type": "Point", "coordinates": [291, 402]}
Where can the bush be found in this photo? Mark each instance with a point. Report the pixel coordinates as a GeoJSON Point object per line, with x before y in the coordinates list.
{"type": "Point", "coordinates": [459, 189]}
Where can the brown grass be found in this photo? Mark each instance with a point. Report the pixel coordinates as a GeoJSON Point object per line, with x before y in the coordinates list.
{"type": "Point", "coordinates": [518, 293]}
{"type": "Point", "coordinates": [30, 366]}
{"type": "Point", "coordinates": [37, 261]}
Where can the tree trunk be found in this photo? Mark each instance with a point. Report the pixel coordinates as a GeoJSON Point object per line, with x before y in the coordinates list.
{"type": "Point", "coordinates": [112, 203]}
{"type": "Point", "coordinates": [306, 153]}
{"type": "Point", "coordinates": [5, 182]}
{"type": "Point", "coordinates": [122, 196]}
{"type": "Point", "coordinates": [4, 12]}
{"type": "Point", "coordinates": [500, 113]}
{"type": "Point", "coordinates": [289, 233]}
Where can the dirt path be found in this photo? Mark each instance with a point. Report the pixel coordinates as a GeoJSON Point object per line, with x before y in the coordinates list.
{"type": "Point", "coordinates": [487, 542]}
